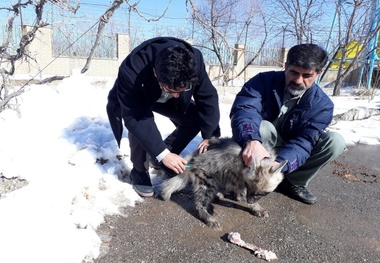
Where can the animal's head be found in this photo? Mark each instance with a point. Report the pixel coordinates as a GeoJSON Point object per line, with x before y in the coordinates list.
{"type": "Point", "coordinates": [264, 178]}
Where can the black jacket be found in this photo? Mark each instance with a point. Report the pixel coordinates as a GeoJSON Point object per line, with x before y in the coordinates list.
{"type": "Point", "coordinates": [136, 90]}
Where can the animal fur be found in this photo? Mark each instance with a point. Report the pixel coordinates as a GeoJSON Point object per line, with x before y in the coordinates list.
{"type": "Point", "coordinates": [222, 168]}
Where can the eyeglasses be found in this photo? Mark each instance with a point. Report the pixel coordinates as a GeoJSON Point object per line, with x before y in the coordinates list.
{"type": "Point", "coordinates": [180, 90]}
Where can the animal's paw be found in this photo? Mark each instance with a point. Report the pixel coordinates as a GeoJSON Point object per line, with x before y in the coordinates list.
{"type": "Point", "coordinates": [219, 196]}
{"type": "Point", "coordinates": [261, 213]}
{"type": "Point", "coordinates": [165, 196]}
{"type": "Point", "coordinates": [214, 224]}
{"type": "Point", "coordinates": [258, 210]}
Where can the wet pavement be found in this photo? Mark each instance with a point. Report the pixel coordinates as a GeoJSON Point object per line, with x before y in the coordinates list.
{"type": "Point", "coordinates": [343, 226]}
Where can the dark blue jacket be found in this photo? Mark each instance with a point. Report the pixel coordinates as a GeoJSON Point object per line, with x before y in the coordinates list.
{"type": "Point", "coordinates": [261, 98]}
{"type": "Point", "coordinates": [136, 90]}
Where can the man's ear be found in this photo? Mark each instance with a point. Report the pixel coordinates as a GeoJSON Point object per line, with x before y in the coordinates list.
{"type": "Point", "coordinates": [320, 72]}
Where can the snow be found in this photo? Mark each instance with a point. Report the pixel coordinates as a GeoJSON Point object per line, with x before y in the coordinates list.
{"type": "Point", "coordinates": [60, 142]}
{"type": "Point", "coordinates": [363, 131]}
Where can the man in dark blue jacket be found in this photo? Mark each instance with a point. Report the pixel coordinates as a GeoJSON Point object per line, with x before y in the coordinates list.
{"type": "Point", "coordinates": [291, 112]}
{"type": "Point", "coordinates": [162, 75]}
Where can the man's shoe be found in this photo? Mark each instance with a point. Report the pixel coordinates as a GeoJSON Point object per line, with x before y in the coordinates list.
{"type": "Point", "coordinates": [302, 194]}
{"type": "Point", "coordinates": [159, 165]}
{"type": "Point", "coordinates": [141, 183]}
{"type": "Point", "coordinates": [297, 192]}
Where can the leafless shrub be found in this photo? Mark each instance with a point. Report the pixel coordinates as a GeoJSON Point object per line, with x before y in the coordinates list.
{"type": "Point", "coordinates": [9, 56]}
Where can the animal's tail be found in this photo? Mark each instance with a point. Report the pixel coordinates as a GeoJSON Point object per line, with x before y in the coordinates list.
{"type": "Point", "coordinates": [175, 184]}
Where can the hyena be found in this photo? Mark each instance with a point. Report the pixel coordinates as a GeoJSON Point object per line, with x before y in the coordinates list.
{"type": "Point", "coordinates": [222, 168]}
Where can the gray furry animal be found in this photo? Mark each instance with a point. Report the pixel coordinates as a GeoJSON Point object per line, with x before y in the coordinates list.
{"type": "Point", "coordinates": [222, 168]}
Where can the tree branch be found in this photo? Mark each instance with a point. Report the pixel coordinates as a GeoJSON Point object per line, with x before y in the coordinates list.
{"type": "Point", "coordinates": [103, 20]}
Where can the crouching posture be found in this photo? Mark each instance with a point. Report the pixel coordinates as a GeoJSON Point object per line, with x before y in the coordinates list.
{"type": "Point", "coordinates": [222, 168]}
{"type": "Point", "coordinates": [289, 110]}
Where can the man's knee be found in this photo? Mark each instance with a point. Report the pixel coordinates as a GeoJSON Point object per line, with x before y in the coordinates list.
{"type": "Point", "coordinates": [334, 142]}
{"type": "Point", "coordinates": [268, 132]}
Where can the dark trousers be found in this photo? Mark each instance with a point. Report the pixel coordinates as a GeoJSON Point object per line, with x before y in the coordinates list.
{"type": "Point", "coordinates": [329, 146]}
{"type": "Point", "coordinates": [187, 127]}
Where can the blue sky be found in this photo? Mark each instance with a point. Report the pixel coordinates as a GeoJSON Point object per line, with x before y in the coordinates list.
{"type": "Point", "coordinates": [175, 20]}
{"type": "Point", "coordinates": [92, 9]}
{"type": "Point", "coordinates": [175, 15]}
{"type": "Point", "coordinates": [177, 8]}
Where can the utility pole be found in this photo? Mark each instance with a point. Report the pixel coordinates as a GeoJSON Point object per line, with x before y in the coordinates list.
{"type": "Point", "coordinates": [373, 44]}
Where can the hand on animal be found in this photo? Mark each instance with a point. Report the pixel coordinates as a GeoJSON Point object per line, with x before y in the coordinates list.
{"type": "Point", "coordinates": [221, 168]}
{"type": "Point", "coordinates": [252, 150]}
{"type": "Point", "coordinates": [202, 147]}
{"type": "Point", "coordinates": [174, 162]}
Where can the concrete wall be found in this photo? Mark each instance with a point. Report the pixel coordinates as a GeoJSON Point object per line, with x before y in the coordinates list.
{"type": "Point", "coordinates": [215, 71]}
{"type": "Point", "coordinates": [42, 63]}
{"type": "Point", "coordinates": [42, 59]}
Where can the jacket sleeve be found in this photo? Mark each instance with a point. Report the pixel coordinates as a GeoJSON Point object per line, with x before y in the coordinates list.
{"type": "Point", "coordinates": [136, 109]}
{"type": "Point", "coordinates": [207, 102]}
{"type": "Point", "coordinates": [246, 112]}
{"type": "Point", "coordinates": [316, 116]}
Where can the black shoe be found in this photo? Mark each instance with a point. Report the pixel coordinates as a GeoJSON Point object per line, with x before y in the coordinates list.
{"type": "Point", "coordinates": [159, 165]}
{"type": "Point", "coordinates": [297, 192]}
{"type": "Point", "coordinates": [141, 183]}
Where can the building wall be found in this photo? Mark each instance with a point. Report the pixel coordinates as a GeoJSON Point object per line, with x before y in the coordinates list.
{"type": "Point", "coordinates": [42, 63]}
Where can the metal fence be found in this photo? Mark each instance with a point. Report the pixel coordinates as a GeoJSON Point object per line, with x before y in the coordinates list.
{"type": "Point", "coordinates": [67, 43]}
{"type": "Point", "coordinates": [76, 44]}
{"type": "Point", "coordinates": [262, 57]}
{"type": "Point", "coordinates": [73, 43]}
{"type": "Point", "coordinates": [14, 42]}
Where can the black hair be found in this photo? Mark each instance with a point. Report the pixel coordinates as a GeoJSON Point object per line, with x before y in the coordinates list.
{"type": "Point", "coordinates": [308, 56]}
{"type": "Point", "coordinates": [176, 67]}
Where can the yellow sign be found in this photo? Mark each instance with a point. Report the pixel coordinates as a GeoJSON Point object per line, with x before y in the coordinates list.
{"type": "Point", "coordinates": [353, 48]}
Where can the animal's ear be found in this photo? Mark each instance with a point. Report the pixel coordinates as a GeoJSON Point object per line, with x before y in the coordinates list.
{"type": "Point", "coordinates": [279, 167]}
{"type": "Point", "coordinates": [276, 179]}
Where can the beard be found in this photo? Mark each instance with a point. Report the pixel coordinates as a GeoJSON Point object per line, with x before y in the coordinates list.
{"type": "Point", "coordinates": [296, 89]}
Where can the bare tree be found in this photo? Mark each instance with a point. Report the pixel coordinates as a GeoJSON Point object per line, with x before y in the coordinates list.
{"type": "Point", "coordinates": [356, 25]}
{"type": "Point", "coordinates": [299, 19]}
{"type": "Point", "coordinates": [66, 4]}
{"type": "Point", "coordinates": [103, 20]}
{"type": "Point", "coordinates": [224, 23]}
{"type": "Point", "coordinates": [8, 57]}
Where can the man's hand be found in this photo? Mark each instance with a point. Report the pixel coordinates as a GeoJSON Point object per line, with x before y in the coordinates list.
{"type": "Point", "coordinates": [174, 162]}
{"type": "Point", "coordinates": [202, 147]}
{"type": "Point", "coordinates": [252, 150]}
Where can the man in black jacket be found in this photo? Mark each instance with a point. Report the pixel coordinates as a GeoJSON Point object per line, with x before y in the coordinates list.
{"type": "Point", "coordinates": [162, 75]}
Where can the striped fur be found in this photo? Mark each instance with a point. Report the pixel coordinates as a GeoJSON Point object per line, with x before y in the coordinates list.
{"type": "Point", "coordinates": [221, 168]}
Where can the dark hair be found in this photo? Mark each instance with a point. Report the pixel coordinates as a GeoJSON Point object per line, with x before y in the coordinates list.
{"type": "Point", "coordinates": [308, 56]}
{"type": "Point", "coordinates": [176, 67]}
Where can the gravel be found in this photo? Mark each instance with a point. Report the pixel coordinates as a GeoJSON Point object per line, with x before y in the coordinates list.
{"type": "Point", "coordinates": [342, 227]}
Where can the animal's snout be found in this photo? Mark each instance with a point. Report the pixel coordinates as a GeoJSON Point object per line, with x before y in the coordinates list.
{"type": "Point", "coordinates": [255, 197]}
{"type": "Point", "coordinates": [252, 199]}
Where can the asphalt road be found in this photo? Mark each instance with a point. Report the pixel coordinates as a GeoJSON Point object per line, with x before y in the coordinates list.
{"type": "Point", "coordinates": [342, 227]}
